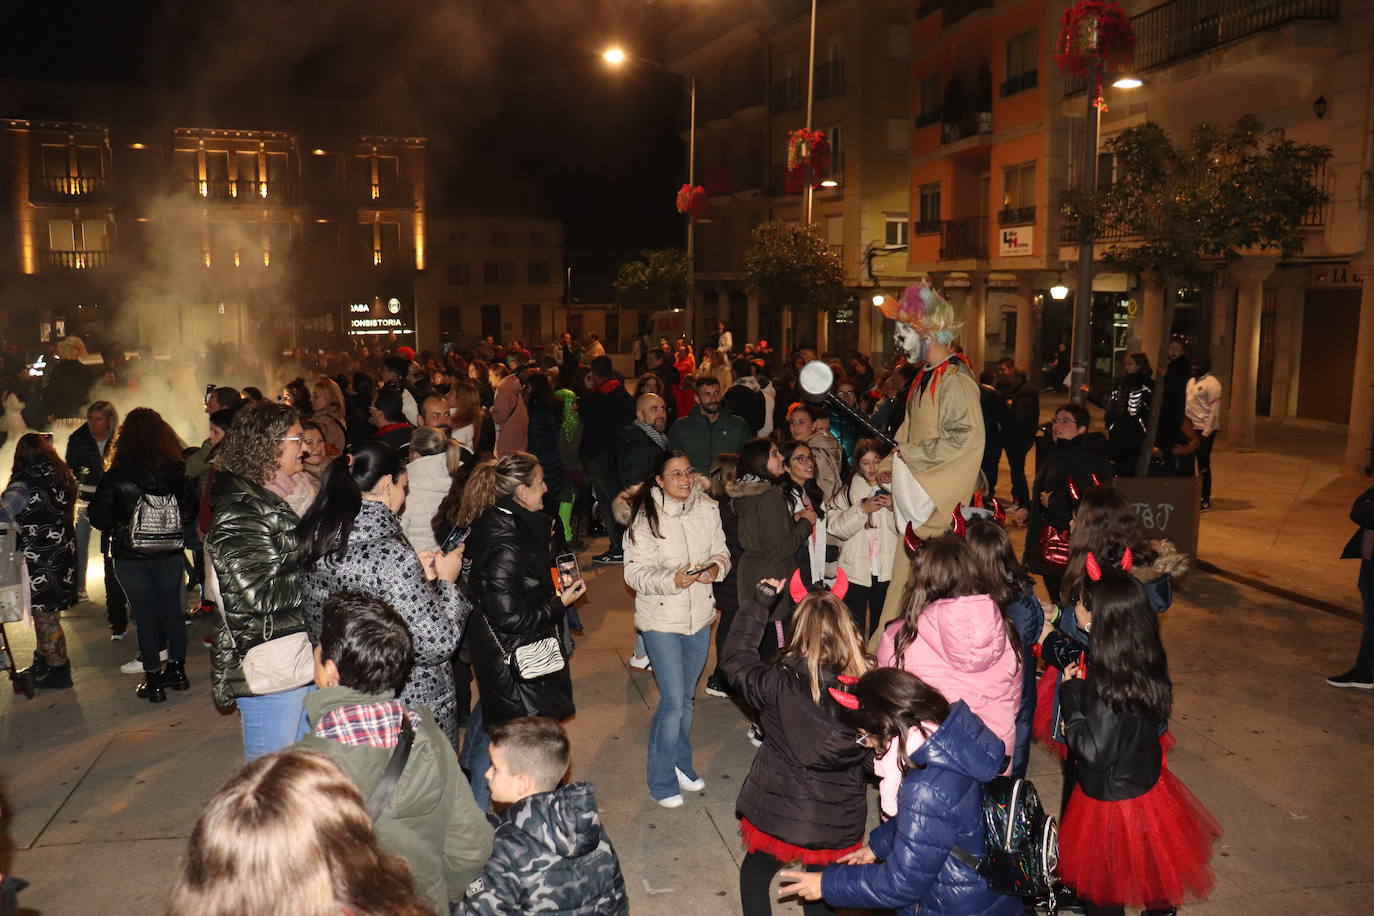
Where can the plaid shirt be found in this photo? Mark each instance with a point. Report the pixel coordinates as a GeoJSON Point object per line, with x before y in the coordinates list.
{"type": "Point", "coordinates": [366, 724]}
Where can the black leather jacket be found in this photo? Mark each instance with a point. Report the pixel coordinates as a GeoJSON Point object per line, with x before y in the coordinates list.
{"type": "Point", "coordinates": [1118, 754]}
{"type": "Point", "coordinates": [112, 507]}
{"type": "Point", "coordinates": [511, 588]}
{"type": "Point", "coordinates": [252, 543]}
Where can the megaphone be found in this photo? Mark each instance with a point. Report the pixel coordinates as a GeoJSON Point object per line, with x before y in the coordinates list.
{"type": "Point", "coordinates": [817, 380]}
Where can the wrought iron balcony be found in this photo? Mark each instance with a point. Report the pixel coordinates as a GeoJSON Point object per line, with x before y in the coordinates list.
{"type": "Point", "coordinates": [1016, 216]}
{"type": "Point", "coordinates": [76, 260]}
{"type": "Point", "coordinates": [1020, 83]}
{"type": "Point", "coordinates": [927, 226]}
{"type": "Point", "coordinates": [243, 191]}
{"type": "Point", "coordinates": [927, 118]}
{"type": "Point", "coordinates": [958, 9]}
{"type": "Point", "coordinates": [964, 239]}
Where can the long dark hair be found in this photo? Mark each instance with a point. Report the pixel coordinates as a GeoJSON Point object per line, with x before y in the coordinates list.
{"type": "Point", "coordinates": [861, 448]}
{"type": "Point", "coordinates": [643, 502]}
{"type": "Point", "coordinates": [33, 448]}
{"type": "Point", "coordinates": [144, 441]}
{"type": "Point", "coordinates": [998, 571]}
{"type": "Point", "coordinates": [791, 488]}
{"type": "Point", "coordinates": [942, 568]}
{"type": "Point", "coordinates": [1129, 669]}
{"type": "Point", "coordinates": [1105, 525]}
{"type": "Point", "coordinates": [753, 459]}
{"type": "Point", "coordinates": [891, 701]}
{"type": "Point", "coordinates": [540, 393]}
{"type": "Point", "coordinates": [328, 522]}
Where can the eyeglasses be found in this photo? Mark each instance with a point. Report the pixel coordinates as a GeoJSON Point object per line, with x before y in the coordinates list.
{"type": "Point", "coordinates": [1066, 421]}
{"type": "Point", "coordinates": [804, 459]}
{"type": "Point", "coordinates": [681, 475]}
{"type": "Point", "coordinates": [289, 439]}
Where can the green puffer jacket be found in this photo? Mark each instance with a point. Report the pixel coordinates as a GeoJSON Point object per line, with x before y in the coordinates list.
{"type": "Point", "coordinates": [703, 440]}
{"type": "Point", "coordinates": [252, 543]}
{"type": "Point", "coordinates": [432, 821]}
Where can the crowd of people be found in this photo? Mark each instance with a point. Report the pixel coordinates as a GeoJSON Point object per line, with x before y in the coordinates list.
{"type": "Point", "coordinates": [390, 529]}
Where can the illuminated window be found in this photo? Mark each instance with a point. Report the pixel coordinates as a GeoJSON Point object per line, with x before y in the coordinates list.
{"type": "Point", "coordinates": [894, 230]}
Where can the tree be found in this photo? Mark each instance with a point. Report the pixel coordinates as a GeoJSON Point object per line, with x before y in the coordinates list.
{"type": "Point", "coordinates": [1172, 212]}
{"type": "Point", "coordinates": [791, 268]}
{"type": "Point", "coordinates": [658, 280]}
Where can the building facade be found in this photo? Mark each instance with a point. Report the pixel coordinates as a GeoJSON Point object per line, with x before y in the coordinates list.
{"type": "Point", "coordinates": [134, 222]}
{"type": "Point", "coordinates": [500, 277]}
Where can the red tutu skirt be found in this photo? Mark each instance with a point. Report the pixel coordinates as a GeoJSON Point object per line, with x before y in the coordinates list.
{"type": "Point", "coordinates": [1152, 851]}
{"type": "Point", "coordinates": [1042, 723]}
{"type": "Point", "coordinates": [755, 840]}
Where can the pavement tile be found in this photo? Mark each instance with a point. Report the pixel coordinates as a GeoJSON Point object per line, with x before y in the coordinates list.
{"type": "Point", "coordinates": [99, 878]}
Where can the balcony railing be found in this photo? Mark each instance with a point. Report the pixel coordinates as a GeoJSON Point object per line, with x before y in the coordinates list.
{"type": "Point", "coordinates": [958, 9]}
{"type": "Point", "coordinates": [830, 79]}
{"type": "Point", "coordinates": [1016, 216]}
{"type": "Point", "coordinates": [1183, 28]}
{"type": "Point", "coordinates": [1316, 216]}
{"type": "Point", "coordinates": [244, 191]}
{"type": "Point", "coordinates": [964, 239]}
{"type": "Point", "coordinates": [787, 94]}
{"type": "Point", "coordinates": [926, 226]}
{"type": "Point", "coordinates": [76, 260]}
{"type": "Point", "coordinates": [53, 186]}
{"type": "Point", "coordinates": [1020, 83]}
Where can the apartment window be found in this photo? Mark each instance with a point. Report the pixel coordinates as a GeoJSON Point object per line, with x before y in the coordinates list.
{"type": "Point", "coordinates": [1018, 195]}
{"type": "Point", "coordinates": [89, 162]}
{"type": "Point", "coordinates": [457, 237]}
{"type": "Point", "coordinates": [895, 230]}
{"type": "Point", "coordinates": [898, 136]}
{"type": "Point", "coordinates": [498, 237]}
{"type": "Point", "coordinates": [928, 216]}
{"type": "Point", "coordinates": [459, 274]}
{"type": "Point", "coordinates": [61, 235]}
{"type": "Point", "coordinates": [87, 235]}
{"type": "Point", "coordinates": [538, 237]}
{"type": "Point", "coordinates": [1022, 71]}
{"type": "Point", "coordinates": [507, 273]}
{"type": "Point", "coordinates": [56, 163]}
{"type": "Point", "coordinates": [539, 272]}
{"type": "Point", "coordinates": [388, 177]}
{"type": "Point", "coordinates": [928, 92]}
{"type": "Point", "coordinates": [491, 273]}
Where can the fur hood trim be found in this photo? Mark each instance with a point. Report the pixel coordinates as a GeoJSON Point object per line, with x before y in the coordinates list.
{"type": "Point", "coordinates": [752, 488]}
{"type": "Point", "coordinates": [620, 508]}
{"type": "Point", "coordinates": [1168, 561]}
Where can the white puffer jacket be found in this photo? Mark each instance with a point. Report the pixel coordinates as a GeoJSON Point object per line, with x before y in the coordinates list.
{"type": "Point", "coordinates": [844, 521]}
{"type": "Point", "coordinates": [429, 484]}
{"type": "Point", "coordinates": [690, 536]}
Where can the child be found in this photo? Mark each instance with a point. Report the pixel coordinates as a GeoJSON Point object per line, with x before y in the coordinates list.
{"type": "Point", "coordinates": [962, 647]}
{"type": "Point", "coordinates": [1133, 835]}
{"type": "Point", "coordinates": [804, 796]}
{"type": "Point", "coordinates": [551, 853]}
{"type": "Point", "coordinates": [1007, 583]}
{"type": "Point", "coordinates": [361, 663]}
{"type": "Point", "coordinates": [941, 807]}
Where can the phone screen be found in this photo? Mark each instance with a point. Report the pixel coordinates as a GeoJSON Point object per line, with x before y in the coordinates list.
{"type": "Point", "coordinates": [568, 571]}
{"type": "Point", "coordinates": [209, 390]}
{"type": "Point", "coordinates": [455, 538]}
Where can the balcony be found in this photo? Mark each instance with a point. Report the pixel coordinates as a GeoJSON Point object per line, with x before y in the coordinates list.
{"type": "Point", "coordinates": [964, 239]}
{"type": "Point", "coordinates": [66, 188]}
{"type": "Point", "coordinates": [1016, 216]}
{"type": "Point", "coordinates": [1020, 83]}
{"type": "Point", "coordinates": [76, 260]}
{"type": "Point", "coordinates": [244, 191]}
{"type": "Point", "coordinates": [958, 9]}
{"type": "Point", "coordinates": [787, 95]}
{"type": "Point", "coordinates": [1184, 28]}
{"type": "Point", "coordinates": [927, 118]}
{"type": "Point", "coordinates": [830, 79]}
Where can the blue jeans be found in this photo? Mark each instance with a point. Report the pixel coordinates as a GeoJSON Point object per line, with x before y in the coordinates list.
{"type": "Point", "coordinates": [83, 543]}
{"type": "Point", "coordinates": [678, 661]}
{"type": "Point", "coordinates": [273, 721]}
{"type": "Point", "coordinates": [154, 590]}
{"type": "Point", "coordinates": [476, 758]}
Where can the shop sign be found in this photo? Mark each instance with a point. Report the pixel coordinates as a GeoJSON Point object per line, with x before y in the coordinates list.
{"type": "Point", "coordinates": [1015, 241]}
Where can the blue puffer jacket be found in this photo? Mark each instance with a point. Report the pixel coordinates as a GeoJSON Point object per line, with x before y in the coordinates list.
{"type": "Point", "coordinates": [939, 806]}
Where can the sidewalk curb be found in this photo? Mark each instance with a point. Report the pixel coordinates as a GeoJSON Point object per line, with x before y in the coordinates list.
{"type": "Point", "coordinates": [1277, 591]}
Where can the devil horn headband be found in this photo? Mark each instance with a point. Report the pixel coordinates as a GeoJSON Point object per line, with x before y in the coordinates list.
{"type": "Point", "coordinates": [1094, 570]}
{"type": "Point", "coordinates": [847, 700]}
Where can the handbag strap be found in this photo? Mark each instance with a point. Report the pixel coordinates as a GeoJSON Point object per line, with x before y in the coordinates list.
{"type": "Point", "coordinates": [505, 656]}
{"type": "Point", "coordinates": [381, 796]}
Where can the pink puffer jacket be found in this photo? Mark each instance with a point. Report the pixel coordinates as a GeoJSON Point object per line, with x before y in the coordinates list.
{"type": "Point", "coordinates": [962, 650]}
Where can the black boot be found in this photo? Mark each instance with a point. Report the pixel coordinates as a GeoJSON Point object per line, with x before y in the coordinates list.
{"type": "Point", "coordinates": [174, 676]}
{"type": "Point", "coordinates": [55, 676]}
{"type": "Point", "coordinates": [151, 687]}
{"type": "Point", "coordinates": [39, 666]}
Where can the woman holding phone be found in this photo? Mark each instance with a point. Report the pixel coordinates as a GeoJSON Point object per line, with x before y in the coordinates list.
{"type": "Point", "coordinates": [674, 549]}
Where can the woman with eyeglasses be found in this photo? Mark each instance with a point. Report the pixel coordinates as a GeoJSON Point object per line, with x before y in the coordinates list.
{"type": "Point", "coordinates": [674, 549]}
{"type": "Point", "coordinates": [770, 532]}
{"type": "Point", "coordinates": [804, 494]}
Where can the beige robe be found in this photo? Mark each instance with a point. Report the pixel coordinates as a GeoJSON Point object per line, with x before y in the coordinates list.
{"type": "Point", "coordinates": [941, 442]}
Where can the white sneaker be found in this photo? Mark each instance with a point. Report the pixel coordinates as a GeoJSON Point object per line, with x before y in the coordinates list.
{"type": "Point", "coordinates": [641, 662]}
{"type": "Point", "coordinates": [672, 801]}
{"type": "Point", "coordinates": [691, 785]}
{"type": "Point", "coordinates": [755, 735]}
{"type": "Point", "coordinates": [136, 666]}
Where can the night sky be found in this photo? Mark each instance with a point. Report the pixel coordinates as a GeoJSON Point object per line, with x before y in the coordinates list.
{"type": "Point", "coordinates": [521, 115]}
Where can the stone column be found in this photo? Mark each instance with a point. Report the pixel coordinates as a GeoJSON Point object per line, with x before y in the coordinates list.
{"type": "Point", "coordinates": [973, 336]}
{"type": "Point", "coordinates": [1151, 320]}
{"type": "Point", "coordinates": [1025, 327]}
{"type": "Point", "coordinates": [1361, 434]}
{"type": "Point", "coordinates": [1248, 276]}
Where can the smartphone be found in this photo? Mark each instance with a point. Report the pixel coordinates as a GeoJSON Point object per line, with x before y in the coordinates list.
{"type": "Point", "coordinates": [455, 538]}
{"type": "Point", "coordinates": [209, 390]}
{"type": "Point", "coordinates": [766, 594]}
{"type": "Point", "coordinates": [700, 569]}
{"type": "Point", "coordinates": [882, 491]}
{"type": "Point", "coordinates": [568, 571]}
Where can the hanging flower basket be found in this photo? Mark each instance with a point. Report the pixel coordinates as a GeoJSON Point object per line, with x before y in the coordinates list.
{"type": "Point", "coordinates": [1095, 37]}
{"type": "Point", "coordinates": [691, 199]}
{"type": "Point", "coordinates": [808, 151]}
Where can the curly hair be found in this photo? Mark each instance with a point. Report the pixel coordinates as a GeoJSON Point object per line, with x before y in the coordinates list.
{"type": "Point", "coordinates": [145, 441]}
{"type": "Point", "coordinates": [251, 444]}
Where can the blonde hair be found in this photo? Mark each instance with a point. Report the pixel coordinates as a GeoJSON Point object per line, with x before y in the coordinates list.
{"type": "Point", "coordinates": [325, 396]}
{"type": "Point", "coordinates": [289, 835]}
{"type": "Point", "coordinates": [494, 480]}
{"type": "Point", "coordinates": [824, 636]}
{"type": "Point", "coordinates": [468, 409]}
{"type": "Point", "coordinates": [426, 440]}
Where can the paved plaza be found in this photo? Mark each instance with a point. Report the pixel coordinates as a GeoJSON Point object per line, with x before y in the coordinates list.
{"type": "Point", "coordinates": [100, 790]}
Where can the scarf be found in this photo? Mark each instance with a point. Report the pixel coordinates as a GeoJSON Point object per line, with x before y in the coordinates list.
{"type": "Point", "coordinates": [658, 438]}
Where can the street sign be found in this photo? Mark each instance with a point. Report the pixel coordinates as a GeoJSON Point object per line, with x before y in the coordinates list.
{"type": "Point", "coordinates": [1168, 507]}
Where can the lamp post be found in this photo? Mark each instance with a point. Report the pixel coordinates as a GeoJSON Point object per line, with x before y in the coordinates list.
{"type": "Point", "coordinates": [808, 194]}
{"type": "Point", "coordinates": [618, 56]}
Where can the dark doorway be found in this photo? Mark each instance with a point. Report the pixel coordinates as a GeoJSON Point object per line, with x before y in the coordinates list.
{"type": "Point", "coordinates": [491, 322]}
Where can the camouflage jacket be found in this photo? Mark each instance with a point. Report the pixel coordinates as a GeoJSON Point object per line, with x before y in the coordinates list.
{"type": "Point", "coordinates": [550, 855]}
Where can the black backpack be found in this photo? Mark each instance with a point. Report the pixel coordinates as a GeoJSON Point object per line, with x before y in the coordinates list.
{"type": "Point", "coordinates": [1021, 849]}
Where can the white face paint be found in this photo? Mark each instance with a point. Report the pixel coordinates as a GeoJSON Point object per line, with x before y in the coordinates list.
{"type": "Point", "coordinates": [910, 342]}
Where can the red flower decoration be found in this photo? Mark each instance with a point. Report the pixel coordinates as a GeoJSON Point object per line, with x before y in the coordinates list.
{"type": "Point", "coordinates": [1095, 37]}
{"type": "Point", "coordinates": [691, 199]}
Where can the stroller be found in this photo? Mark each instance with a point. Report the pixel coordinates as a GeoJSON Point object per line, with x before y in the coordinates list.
{"type": "Point", "coordinates": [14, 598]}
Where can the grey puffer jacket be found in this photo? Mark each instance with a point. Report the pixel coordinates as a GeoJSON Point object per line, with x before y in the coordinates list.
{"type": "Point", "coordinates": [550, 855]}
{"type": "Point", "coordinates": [380, 561]}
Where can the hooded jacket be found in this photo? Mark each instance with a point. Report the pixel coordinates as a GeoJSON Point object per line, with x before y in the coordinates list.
{"type": "Point", "coordinates": [551, 854]}
{"type": "Point", "coordinates": [690, 535]}
{"type": "Point", "coordinates": [768, 534]}
{"type": "Point", "coordinates": [962, 650]}
{"type": "Point", "coordinates": [846, 522]}
{"type": "Point", "coordinates": [940, 806]}
{"type": "Point", "coordinates": [380, 562]}
{"type": "Point", "coordinates": [429, 483]}
{"type": "Point", "coordinates": [432, 821]}
{"type": "Point", "coordinates": [806, 785]}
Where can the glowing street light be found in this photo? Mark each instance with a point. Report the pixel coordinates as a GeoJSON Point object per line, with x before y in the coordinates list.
{"type": "Point", "coordinates": [613, 56]}
{"type": "Point", "coordinates": [1059, 292]}
{"type": "Point", "coordinates": [1127, 81]}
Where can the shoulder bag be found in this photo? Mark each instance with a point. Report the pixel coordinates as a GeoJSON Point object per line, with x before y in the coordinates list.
{"type": "Point", "coordinates": [273, 665]}
{"type": "Point", "coordinates": [535, 660]}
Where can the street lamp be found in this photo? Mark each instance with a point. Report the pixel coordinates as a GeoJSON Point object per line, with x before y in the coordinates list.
{"type": "Point", "coordinates": [616, 57]}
